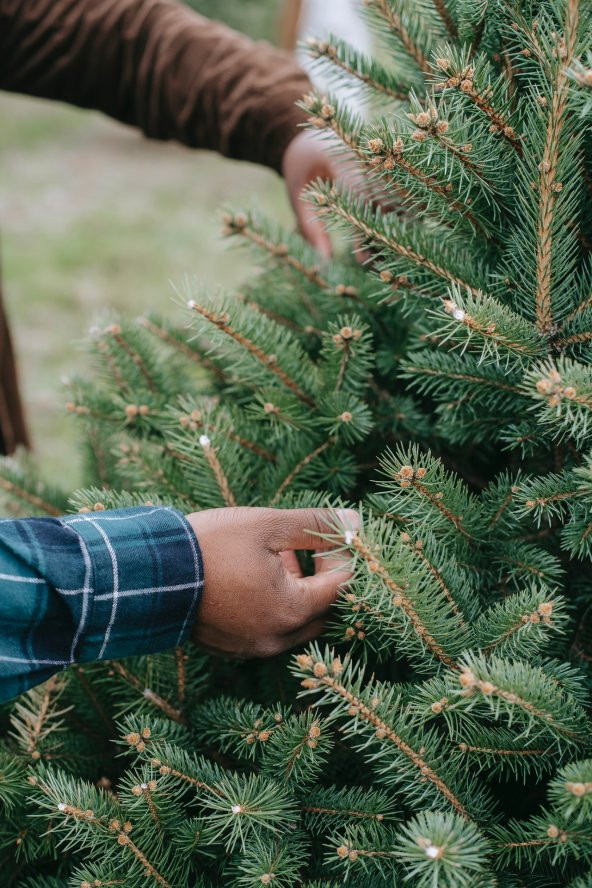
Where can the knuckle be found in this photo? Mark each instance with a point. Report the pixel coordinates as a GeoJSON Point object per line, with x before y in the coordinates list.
{"type": "Point", "coordinates": [267, 526]}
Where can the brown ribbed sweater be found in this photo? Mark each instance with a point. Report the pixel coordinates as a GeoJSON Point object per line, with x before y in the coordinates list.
{"type": "Point", "coordinates": [156, 65]}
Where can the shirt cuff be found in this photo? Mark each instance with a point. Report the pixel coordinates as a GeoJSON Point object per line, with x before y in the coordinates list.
{"type": "Point", "coordinates": [143, 580]}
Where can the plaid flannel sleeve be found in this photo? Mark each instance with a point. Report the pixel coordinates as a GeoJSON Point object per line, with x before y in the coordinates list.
{"type": "Point", "coordinates": [94, 586]}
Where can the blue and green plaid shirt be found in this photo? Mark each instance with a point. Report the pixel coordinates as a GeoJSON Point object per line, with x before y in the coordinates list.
{"type": "Point", "coordinates": [91, 587]}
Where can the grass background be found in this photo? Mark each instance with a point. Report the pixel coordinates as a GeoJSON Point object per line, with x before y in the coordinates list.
{"type": "Point", "coordinates": [94, 218]}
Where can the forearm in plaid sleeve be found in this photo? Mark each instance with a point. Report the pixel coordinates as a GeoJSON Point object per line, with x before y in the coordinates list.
{"type": "Point", "coordinates": [95, 586]}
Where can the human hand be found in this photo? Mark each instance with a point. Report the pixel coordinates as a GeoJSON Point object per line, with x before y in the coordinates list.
{"type": "Point", "coordinates": [256, 603]}
{"type": "Point", "coordinates": [305, 159]}
{"type": "Point", "coordinates": [308, 158]}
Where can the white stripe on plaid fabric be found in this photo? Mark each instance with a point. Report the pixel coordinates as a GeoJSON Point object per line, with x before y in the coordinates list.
{"type": "Point", "coordinates": [31, 660]}
{"type": "Point", "coordinates": [13, 578]}
{"type": "Point", "coordinates": [100, 516]}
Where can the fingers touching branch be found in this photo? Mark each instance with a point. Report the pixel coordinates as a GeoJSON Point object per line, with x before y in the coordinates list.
{"type": "Point", "coordinates": [256, 600]}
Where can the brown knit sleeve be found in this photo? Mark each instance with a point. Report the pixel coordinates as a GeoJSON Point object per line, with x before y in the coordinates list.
{"type": "Point", "coordinates": [157, 65]}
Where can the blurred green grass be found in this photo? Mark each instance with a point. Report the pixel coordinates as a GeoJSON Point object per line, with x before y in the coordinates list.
{"type": "Point", "coordinates": [95, 218]}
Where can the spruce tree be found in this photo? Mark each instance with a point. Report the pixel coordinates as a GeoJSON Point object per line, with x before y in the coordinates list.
{"type": "Point", "coordinates": [439, 734]}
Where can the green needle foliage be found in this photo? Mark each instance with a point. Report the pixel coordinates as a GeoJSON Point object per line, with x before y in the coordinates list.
{"type": "Point", "coordinates": [440, 735]}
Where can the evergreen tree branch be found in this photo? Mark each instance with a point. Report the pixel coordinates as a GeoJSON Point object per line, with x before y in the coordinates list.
{"type": "Point", "coordinates": [408, 477]}
{"type": "Point", "coordinates": [278, 318]}
{"type": "Point", "coordinates": [143, 460]}
{"type": "Point", "coordinates": [217, 470]}
{"type": "Point", "coordinates": [436, 129]}
{"type": "Point", "coordinates": [31, 499]}
{"type": "Point", "coordinates": [144, 791]}
{"type": "Point", "coordinates": [319, 675]}
{"type": "Point", "coordinates": [114, 330]}
{"type": "Point", "coordinates": [503, 506]}
{"type": "Point", "coordinates": [549, 186]}
{"type": "Point", "coordinates": [574, 339]}
{"type": "Point", "coordinates": [490, 327]}
{"type": "Point", "coordinates": [377, 228]}
{"type": "Point", "coordinates": [181, 346]}
{"type": "Point", "coordinates": [194, 420]}
{"type": "Point", "coordinates": [385, 9]}
{"type": "Point", "coordinates": [243, 225]}
{"type": "Point", "coordinates": [563, 390]}
{"type": "Point", "coordinates": [114, 368]}
{"type": "Point", "coordinates": [461, 79]}
{"type": "Point", "coordinates": [444, 13]}
{"type": "Point", "coordinates": [167, 770]}
{"type": "Point", "coordinates": [520, 688]}
{"type": "Point", "coordinates": [389, 154]}
{"type": "Point", "coordinates": [147, 693]}
{"type": "Point", "coordinates": [418, 550]}
{"type": "Point", "coordinates": [472, 378]}
{"type": "Point", "coordinates": [268, 361]}
{"type": "Point", "coordinates": [121, 834]}
{"type": "Point", "coordinates": [399, 598]}
{"type": "Point", "coordinates": [328, 116]}
{"type": "Point", "coordinates": [520, 624]}
{"type": "Point", "coordinates": [346, 59]}
{"type": "Point", "coordinates": [288, 480]}
{"type": "Point", "coordinates": [37, 717]}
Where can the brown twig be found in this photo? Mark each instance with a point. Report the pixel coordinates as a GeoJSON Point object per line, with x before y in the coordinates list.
{"type": "Point", "coordinates": [388, 733]}
{"type": "Point", "coordinates": [115, 332]}
{"type": "Point", "coordinates": [181, 674]}
{"type": "Point", "coordinates": [319, 49]}
{"type": "Point", "coordinates": [441, 506]}
{"type": "Point", "coordinates": [407, 252]}
{"type": "Point", "coordinates": [401, 600]}
{"type": "Point", "coordinates": [465, 747]}
{"type": "Point", "coordinates": [362, 815]}
{"type": "Point", "coordinates": [147, 693]}
{"type": "Point", "coordinates": [298, 468]}
{"type": "Point", "coordinates": [183, 348]}
{"type": "Point", "coordinates": [269, 361]}
{"type": "Point", "coordinates": [396, 25]}
{"type": "Point", "coordinates": [549, 187]}
{"type": "Point", "coordinates": [30, 498]}
{"type": "Point", "coordinates": [444, 13]}
{"type": "Point", "coordinates": [218, 472]}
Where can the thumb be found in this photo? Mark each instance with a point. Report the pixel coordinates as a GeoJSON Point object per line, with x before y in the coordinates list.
{"type": "Point", "coordinates": [299, 528]}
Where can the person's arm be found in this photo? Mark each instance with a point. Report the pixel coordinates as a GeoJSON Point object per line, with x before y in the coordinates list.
{"type": "Point", "coordinates": [158, 65]}
{"type": "Point", "coordinates": [114, 584]}
{"type": "Point", "coordinates": [90, 587]}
